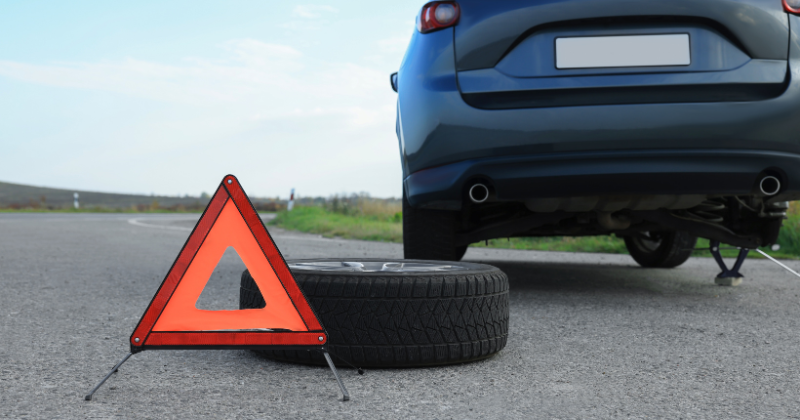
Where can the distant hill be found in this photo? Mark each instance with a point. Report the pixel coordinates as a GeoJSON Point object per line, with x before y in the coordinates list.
{"type": "Point", "coordinates": [26, 196]}
{"type": "Point", "coordinates": [19, 196]}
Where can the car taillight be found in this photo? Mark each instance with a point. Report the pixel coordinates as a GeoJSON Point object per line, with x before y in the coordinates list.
{"type": "Point", "coordinates": [792, 6]}
{"type": "Point", "coordinates": [441, 14]}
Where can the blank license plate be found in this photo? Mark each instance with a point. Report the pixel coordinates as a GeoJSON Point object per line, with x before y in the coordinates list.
{"type": "Point", "coordinates": [623, 51]}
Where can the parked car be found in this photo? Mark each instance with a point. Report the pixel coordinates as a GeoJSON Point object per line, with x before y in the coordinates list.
{"type": "Point", "coordinates": [656, 121]}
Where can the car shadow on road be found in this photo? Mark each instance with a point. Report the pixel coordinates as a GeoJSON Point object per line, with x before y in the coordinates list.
{"type": "Point", "coordinates": [612, 279]}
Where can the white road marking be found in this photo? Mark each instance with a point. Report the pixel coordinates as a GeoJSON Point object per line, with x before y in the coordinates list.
{"type": "Point", "coordinates": [137, 222]}
{"type": "Point", "coordinates": [265, 218]}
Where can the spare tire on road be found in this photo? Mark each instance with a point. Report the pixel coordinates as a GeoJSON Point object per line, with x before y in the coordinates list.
{"type": "Point", "coordinates": [398, 313]}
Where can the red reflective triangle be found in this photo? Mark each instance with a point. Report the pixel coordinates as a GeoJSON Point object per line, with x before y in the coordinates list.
{"type": "Point", "coordinates": [173, 320]}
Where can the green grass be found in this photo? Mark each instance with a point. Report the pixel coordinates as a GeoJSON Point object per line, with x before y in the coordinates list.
{"type": "Point", "coordinates": [389, 229]}
{"type": "Point", "coordinates": [329, 224]}
{"type": "Point", "coordinates": [606, 244]}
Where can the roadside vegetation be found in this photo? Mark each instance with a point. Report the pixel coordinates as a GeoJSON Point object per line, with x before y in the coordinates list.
{"type": "Point", "coordinates": [104, 209]}
{"type": "Point", "coordinates": [21, 198]}
{"type": "Point", "coordinates": [362, 217]}
{"type": "Point", "coordinates": [152, 207]}
{"type": "Point", "coordinates": [353, 217]}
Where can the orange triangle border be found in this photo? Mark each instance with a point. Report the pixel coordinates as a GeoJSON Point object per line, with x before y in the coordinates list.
{"type": "Point", "coordinates": [143, 336]}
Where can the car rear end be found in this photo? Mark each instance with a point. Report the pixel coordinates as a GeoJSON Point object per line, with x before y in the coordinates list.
{"type": "Point", "coordinates": [584, 107]}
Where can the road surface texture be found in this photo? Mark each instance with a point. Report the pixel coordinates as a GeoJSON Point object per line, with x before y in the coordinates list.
{"type": "Point", "coordinates": [592, 336]}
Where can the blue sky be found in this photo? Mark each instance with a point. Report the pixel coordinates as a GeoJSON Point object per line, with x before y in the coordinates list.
{"type": "Point", "coordinates": [168, 97]}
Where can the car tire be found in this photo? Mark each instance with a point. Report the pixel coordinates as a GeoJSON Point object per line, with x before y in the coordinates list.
{"type": "Point", "coordinates": [665, 249]}
{"type": "Point", "coordinates": [399, 319]}
{"type": "Point", "coordinates": [430, 234]}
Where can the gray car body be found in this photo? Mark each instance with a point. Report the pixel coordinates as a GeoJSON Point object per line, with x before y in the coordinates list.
{"type": "Point", "coordinates": [482, 101]}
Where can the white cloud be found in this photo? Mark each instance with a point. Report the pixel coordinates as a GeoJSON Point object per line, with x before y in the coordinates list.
{"type": "Point", "coordinates": [259, 78]}
{"type": "Point", "coordinates": [312, 11]}
{"type": "Point", "coordinates": [244, 112]}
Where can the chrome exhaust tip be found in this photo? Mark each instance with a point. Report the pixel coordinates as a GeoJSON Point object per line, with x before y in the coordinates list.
{"type": "Point", "coordinates": [769, 185]}
{"type": "Point", "coordinates": [479, 193]}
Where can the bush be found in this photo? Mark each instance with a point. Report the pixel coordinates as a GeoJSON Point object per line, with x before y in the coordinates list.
{"type": "Point", "coordinates": [364, 205]}
{"type": "Point", "coordinates": [789, 238]}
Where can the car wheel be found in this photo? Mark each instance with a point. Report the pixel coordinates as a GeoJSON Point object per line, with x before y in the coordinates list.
{"type": "Point", "coordinates": [663, 249]}
{"type": "Point", "coordinates": [400, 313]}
{"type": "Point", "coordinates": [430, 234]}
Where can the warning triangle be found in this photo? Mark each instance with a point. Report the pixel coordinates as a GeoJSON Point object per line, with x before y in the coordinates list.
{"type": "Point", "coordinates": [173, 321]}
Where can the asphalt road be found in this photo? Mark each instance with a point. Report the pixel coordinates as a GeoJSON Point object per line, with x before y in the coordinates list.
{"type": "Point", "coordinates": [592, 336]}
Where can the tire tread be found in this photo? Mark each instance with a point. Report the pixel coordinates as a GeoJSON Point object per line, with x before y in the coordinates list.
{"type": "Point", "coordinates": [403, 321]}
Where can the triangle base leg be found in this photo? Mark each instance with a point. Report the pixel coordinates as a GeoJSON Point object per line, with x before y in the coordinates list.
{"type": "Point", "coordinates": [345, 395]}
{"type": "Point", "coordinates": [88, 396]}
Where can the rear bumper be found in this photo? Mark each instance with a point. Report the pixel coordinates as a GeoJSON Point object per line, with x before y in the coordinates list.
{"type": "Point", "coordinates": [439, 128]}
{"type": "Point", "coordinates": [676, 148]}
{"type": "Point", "coordinates": [607, 173]}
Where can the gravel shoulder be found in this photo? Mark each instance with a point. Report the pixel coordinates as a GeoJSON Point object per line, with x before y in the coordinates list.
{"type": "Point", "coordinates": [592, 336]}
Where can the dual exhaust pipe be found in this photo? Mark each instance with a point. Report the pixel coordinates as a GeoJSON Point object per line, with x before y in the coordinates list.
{"type": "Point", "coordinates": [768, 185]}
